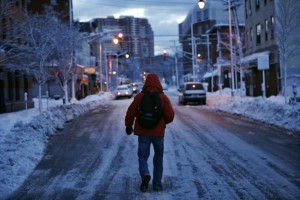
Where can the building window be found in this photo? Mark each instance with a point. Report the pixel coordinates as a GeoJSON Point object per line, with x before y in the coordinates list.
{"type": "Point", "coordinates": [23, 4]}
{"type": "Point", "coordinates": [17, 85]}
{"type": "Point", "coordinates": [266, 29]}
{"type": "Point", "coordinates": [10, 87]}
{"type": "Point", "coordinates": [4, 28]}
{"type": "Point", "coordinates": [272, 27]}
{"type": "Point", "coordinates": [205, 14]}
{"type": "Point", "coordinates": [53, 2]}
{"type": "Point", "coordinates": [10, 31]}
{"type": "Point", "coordinates": [199, 16]}
{"type": "Point", "coordinates": [265, 2]}
{"type": "Point", "coordinates": [249, 9]}
{"type": "Point", "coordinates": [251, 34]}
{"type": "Point", "coordinates": [246, 38]}
{"type": "Point", "coordinates": [26, 83]}
{"type": "Point", "coordinates": [200, 29]}
{"type": "Point", "coordinates": [258, 33]}
{"type": "Point", "coordinates": [246, 9]}
{"type": "Point", "coordinates": [257, 4]}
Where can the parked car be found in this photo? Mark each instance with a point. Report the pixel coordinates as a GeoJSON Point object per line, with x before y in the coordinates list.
{"type": "Point", "coordinates": [192, 92]}
{"type": "Point", "coordinates": [124, 91]}
{"type": "Point", "coordinates": [135, 87]}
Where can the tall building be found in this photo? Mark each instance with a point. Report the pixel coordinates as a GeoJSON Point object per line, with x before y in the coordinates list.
{"type": "Point", "coordinates": [268, 22]}
{"type": "Point", "coordinates": [138, 34]}
{"type": "Point", "coordinates": [138, 42]}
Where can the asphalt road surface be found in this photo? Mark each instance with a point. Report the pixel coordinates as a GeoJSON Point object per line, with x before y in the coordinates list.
{"type": "Point", "coordinates": [208, 155]}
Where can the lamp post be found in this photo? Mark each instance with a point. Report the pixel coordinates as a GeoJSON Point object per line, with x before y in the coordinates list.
{"type": "Point", "coordinates": [176, 81]}
{"type": "Point", "coordinates": [102, 37]}
{"type": "Point", "coordinates": [117, 63]}
{"type": "Point", "coordinates": [117, 40]}
{"type": "Point", "coordinates": [193, 46]}
{"type": "Point", "coordinates": [201, 5]}
{"type": "Point", "coordinates": [100, 64]}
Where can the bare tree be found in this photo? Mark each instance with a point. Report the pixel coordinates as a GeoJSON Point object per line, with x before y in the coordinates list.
{"type": "Point", "coordinates": [287, 26]}
{"type": "Point", "coordinates": [67, 40]}
{"type": "Point", "coordinates": [34, 46]}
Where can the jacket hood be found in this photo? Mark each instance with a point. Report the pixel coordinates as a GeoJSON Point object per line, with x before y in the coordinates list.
{"type": "Point", "coordinates": [152, 83]}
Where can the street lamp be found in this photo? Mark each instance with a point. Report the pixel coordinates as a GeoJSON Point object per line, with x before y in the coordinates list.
{"type": "Point", "coordinates": [118, 38]}
{"type": "Point", "coordinates": [164, 51]}
{"type": "Point", "coordinates": [201, 4]}
{"type": "Point", "coordinates": [102, 37]}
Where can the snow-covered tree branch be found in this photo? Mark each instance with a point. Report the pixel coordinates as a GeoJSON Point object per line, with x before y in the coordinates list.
{"type": "Point", "coordinates": [42, 40]}
{"type": "Point", "coordinates": [68, 40]}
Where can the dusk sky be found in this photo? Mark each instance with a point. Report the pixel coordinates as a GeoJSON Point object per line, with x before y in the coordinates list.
{"type": "Point", "coordinates": [164, 16]}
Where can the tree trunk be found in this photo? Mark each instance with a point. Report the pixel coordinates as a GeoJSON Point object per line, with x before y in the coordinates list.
{"type": "Point", "coordinates": [66, 92]}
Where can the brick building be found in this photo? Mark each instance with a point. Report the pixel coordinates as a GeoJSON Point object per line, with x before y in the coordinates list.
{"type": "Point", "coordinates": [263, 38]}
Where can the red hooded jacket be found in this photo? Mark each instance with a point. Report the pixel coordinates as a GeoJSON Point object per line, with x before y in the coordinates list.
{"type": "Point", "coordinates": [152, 84]}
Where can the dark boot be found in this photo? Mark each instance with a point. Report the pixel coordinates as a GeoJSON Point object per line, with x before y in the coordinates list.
{"type": "Point", "coordinates": [144, 184]}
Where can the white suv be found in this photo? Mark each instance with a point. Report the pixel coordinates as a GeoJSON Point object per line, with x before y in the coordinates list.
{"type": "Point", "coordinates": [124, 91]}
{"type": "Point", "coordinates": [192, 92]}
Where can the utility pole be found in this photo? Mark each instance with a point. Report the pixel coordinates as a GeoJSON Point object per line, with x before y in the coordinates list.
{"type": "Point", "coordinates": [176, 63]}
{"type": "Point", "coordinates": [230, 40]}
{"type": "Point", "coordinates": [72, 57]}
{"type": "Point", "coordinates": [193, 46]}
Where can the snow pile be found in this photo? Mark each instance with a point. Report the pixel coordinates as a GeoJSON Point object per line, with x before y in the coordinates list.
{"type": "Point", "coordinates": [272, 110]}
{"type": "Point", "coordinates": [23, 145]}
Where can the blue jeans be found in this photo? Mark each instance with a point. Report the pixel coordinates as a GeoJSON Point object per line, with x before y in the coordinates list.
{"type": "Point", "coordinates": [144, 153]}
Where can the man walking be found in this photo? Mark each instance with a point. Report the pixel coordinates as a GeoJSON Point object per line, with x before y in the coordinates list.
{"type": "Point", "coordinates": [148, 136]}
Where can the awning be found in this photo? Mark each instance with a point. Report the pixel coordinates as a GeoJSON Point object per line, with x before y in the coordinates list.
{"type": "Point", "coordinates": [208, 74]}
{"type": "Point", "coordinates": [254, 56]}
{"type": "Point", "coordinates": [89, 70]}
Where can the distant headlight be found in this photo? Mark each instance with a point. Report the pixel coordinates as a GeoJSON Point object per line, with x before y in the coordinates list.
{"type": "Point", "coordinates": [118, 93]}
{"type": "Point", "coordinates": [126, 92]}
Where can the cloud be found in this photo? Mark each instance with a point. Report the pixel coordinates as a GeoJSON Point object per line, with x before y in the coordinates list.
{"type": "Point", "coordinates": [173, 19]}
{"type": "Point", "coordinates": [136, 12]}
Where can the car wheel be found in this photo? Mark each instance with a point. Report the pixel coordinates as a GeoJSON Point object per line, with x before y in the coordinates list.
{"type": "Point", "coordinates": [204, 102]}
{"type": "Point", "coordinates": [183, 102]}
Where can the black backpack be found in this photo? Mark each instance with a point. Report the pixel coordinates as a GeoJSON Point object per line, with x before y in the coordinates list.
{"type": "Point", "coordinates": [150, 110]}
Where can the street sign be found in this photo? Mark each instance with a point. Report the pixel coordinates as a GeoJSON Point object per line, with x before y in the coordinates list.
{"type": "Point", "coordinates": [263, 62]}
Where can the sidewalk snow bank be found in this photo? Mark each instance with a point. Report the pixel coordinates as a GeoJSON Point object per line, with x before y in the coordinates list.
{"type": "Point", "coordinates": [22, 146]}
{"type": "Point", "coordinates": [272, 110]}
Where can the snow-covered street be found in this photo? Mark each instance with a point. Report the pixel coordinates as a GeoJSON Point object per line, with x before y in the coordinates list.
{"type": "Point", "coordinates": [208, 154]}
